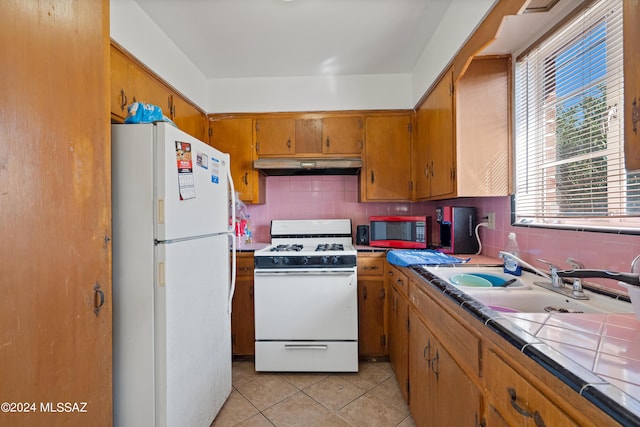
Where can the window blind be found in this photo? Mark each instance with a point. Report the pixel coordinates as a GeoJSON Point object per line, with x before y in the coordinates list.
{"type": "Point", "coordinates": [569, 151]}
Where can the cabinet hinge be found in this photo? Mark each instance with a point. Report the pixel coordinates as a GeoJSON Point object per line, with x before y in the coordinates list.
{"type": "Point", "coordinates": [257, 126]}
{"type": "Point", "coordinates": [410, 127]}
{"type": "Point", "coordinates": [257, 147]}
{"type": "Point", "coordinates": [410, 185]}
{"type": "Point", "coordinates": [383, 340]}
{"type": "Point", "coordinates": [408, 325]}
{"type": "Point", "coordinates": [408, 390]}
{"type": "Point", "coordinates": [451, 90]}
{"type": "Point", "coordinates": [210, 132]}
{"type": "Point", "coordinates": [480, 422]}
{"type": "Point", "coordinates": [383, 293]}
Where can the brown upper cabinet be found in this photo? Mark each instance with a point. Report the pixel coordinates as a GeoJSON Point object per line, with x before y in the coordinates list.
{"type": "Point", "coordinates": [463, 143]}
{"type": "Point", "coordinates": [275, 136]}
{"type": "Point", "coordinates": [131, 82]}
{"type": "Point", "coordinates": [303, 136]}
{"type": "Point", "coordinates": [234, 135]}
{"type": "Point", "coordinates": [342, 135]}
{"type": "Point", "coordinates": [386, 174]}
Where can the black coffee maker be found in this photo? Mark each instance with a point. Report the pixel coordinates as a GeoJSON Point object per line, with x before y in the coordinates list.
{"type": "Point", "coordinates": [457, 229]}
{"type": "Point", "coordinates": [362, 235]}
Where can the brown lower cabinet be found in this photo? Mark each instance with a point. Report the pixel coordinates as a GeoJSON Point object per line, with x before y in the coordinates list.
{"type": "Point", "coordinates": [455, 371]}
{"type": "Point", "coordinates": [398, 310]}
{"type": "Point", "coordinates": [372, 340]}
{"type": "Point", "coordinates": [242, 314]}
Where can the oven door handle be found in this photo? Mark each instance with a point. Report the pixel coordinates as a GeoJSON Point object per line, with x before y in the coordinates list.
{"type": "Point", "coordinates": [315, 272]}
{"type": "Point", "coordinates": [306, 347]}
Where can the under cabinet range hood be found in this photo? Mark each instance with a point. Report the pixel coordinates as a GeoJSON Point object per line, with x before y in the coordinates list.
{"type": "Point", "coordinates": [308, 166]}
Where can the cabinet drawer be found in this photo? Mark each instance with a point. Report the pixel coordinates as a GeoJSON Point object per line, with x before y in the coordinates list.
{"type": "Point", "coordinates": [370, 266]}
{"type": "Point", "coordinates": [460, 342]}
{"type": "Point", "coordinates": [398, 280]}
{"type": "Point", "coordinates": [244, 265]}
{"type": "Point", "coordinates": [517, 401]}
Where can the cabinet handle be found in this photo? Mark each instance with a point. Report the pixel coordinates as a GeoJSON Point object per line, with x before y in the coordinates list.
{"type": "Point", "coordinates": [435, 366]}
{"type": "Point", "coordinates": [432, 169]}
{"type": "Point", "coordinates": [251, 292]}
{"type": "Point", "coordinates": [366, 267]}
{"type": "Point", "coordinates": [328, 143]}
{"type": "Point", "coordinates": [427, 349]}
{"type": "Point", "coordinates": [289, 143]}
{"type": "Point", "coordinates": [245, 178]}
{"type": "Point", "coordinates": [635, 115]}
{"type": "Point", "coordinates": [537, 418]}
{"type": "Point", "coordinates": [123, 100]}
{"type": "Point", "coordinates": [364, 293]}
{"type": "Point", "coordinates": [98, 298]}
{"type": "Point", "coordinates": [373, 177]}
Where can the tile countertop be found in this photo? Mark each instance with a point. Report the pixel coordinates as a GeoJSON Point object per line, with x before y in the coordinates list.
{"type": "Point", "coordinates": [251, 247]}
{"type": "Point", "coordinates": [597, 355]}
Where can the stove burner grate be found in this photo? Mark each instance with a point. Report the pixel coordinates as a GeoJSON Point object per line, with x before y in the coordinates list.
{"type": "Point", "coordinates": [329, 247]}
{"type": "Point", "coordinates": [287, 248]}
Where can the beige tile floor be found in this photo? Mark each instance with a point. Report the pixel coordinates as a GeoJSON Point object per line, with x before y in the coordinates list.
{"type": "Point", "coordinates": [369, 398]}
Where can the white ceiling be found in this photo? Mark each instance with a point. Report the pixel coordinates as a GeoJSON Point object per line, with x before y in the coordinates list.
{"type": "Point", "coordinates": [277, 38]}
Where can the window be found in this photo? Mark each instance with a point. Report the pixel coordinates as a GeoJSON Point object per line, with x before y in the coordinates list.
{"type": "Point", "coordinates": [569, 151]}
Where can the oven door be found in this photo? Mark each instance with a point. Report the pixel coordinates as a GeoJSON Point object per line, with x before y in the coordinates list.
{"type": "Point", "coordinates": [306, 304]}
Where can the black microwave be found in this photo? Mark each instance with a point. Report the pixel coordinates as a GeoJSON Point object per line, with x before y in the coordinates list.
{"type": "Point", "coordinates": [407, 232]}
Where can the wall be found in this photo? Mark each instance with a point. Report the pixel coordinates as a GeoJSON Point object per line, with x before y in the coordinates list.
{"type": "Point", "coordinates": [337, 197]}
{"type": "Point", "coordinates": [311, 197]}
{"type": "Point", "coordinates": [137, 33]}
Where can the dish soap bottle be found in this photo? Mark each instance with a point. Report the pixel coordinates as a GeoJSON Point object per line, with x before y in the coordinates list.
{"type": "Point", "coordinates": [511, 265]}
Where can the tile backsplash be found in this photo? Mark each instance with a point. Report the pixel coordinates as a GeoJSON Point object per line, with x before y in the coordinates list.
{"type": "Point", "coordinates": [310, 197]}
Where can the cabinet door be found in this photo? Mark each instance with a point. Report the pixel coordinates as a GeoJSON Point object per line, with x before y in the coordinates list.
{"type": "Point", "coordinates": [342, 135]}
{"type": "Point", "coordinates": [422, 164]}
{"type": "Point", "coordinates": [308, 137]}
{"type": "Point", "coordinates": [234, 136]}
{"type": "Point", "coordinates": [275, 136]}
{"type": "Point", "coordinates": [242, 318]}
{"type": "Point", "coordinates": [242, 315]}
{"type": "Point", "coordinates": [188, 118]}
{"type": "Point", "coordinates": [457, 401]}
{"type": "Point", "coordinates": [440, 138]}
{"type": "Point", "coordinates": [399, 339]}
{"type": "Point", "coordinates": [441, 393]}
{"type": "Point", "coordinates": [631, 85]}
{"type": "Point", "coordinates": [387, 165]}
{"type": "Point", "coordinates": [119, 98]}
{"type": "Point", "coordinates": [371, 298]}
{"type": "Point", "coordinates": [420, 349]}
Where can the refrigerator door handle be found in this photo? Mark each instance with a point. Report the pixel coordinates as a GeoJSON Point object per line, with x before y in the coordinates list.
{"type": "Point", "coordinates": [232, 285]}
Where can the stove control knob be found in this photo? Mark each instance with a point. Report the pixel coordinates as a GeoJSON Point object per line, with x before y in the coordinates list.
{"type": "Point", "coordinates": [304, 260]}
{"type": "Point", "coordinates": [325, 260]}
{"type": "Point", "coordinates": [335, 260]}
{"type": "Point", "coordinates": [285, 260]}
{"type": "Point", "coordinates": [276, 260]}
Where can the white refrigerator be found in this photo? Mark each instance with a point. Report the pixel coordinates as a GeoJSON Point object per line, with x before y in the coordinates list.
{"type": "Point", "coordinates": [172, 284]}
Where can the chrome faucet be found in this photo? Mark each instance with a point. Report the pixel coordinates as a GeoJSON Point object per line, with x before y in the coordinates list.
{"type": "Point", "coordinates": [577, 281]}
{"type": "Point", "coordinates": [556, 281]}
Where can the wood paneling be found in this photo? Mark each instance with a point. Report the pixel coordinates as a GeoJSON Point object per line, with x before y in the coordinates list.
{"type": "Point", "coordinates": [55, 210]}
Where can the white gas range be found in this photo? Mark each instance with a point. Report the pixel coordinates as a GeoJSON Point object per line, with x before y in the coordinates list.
{"type": "Point", "coordinates": [306, 298]}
